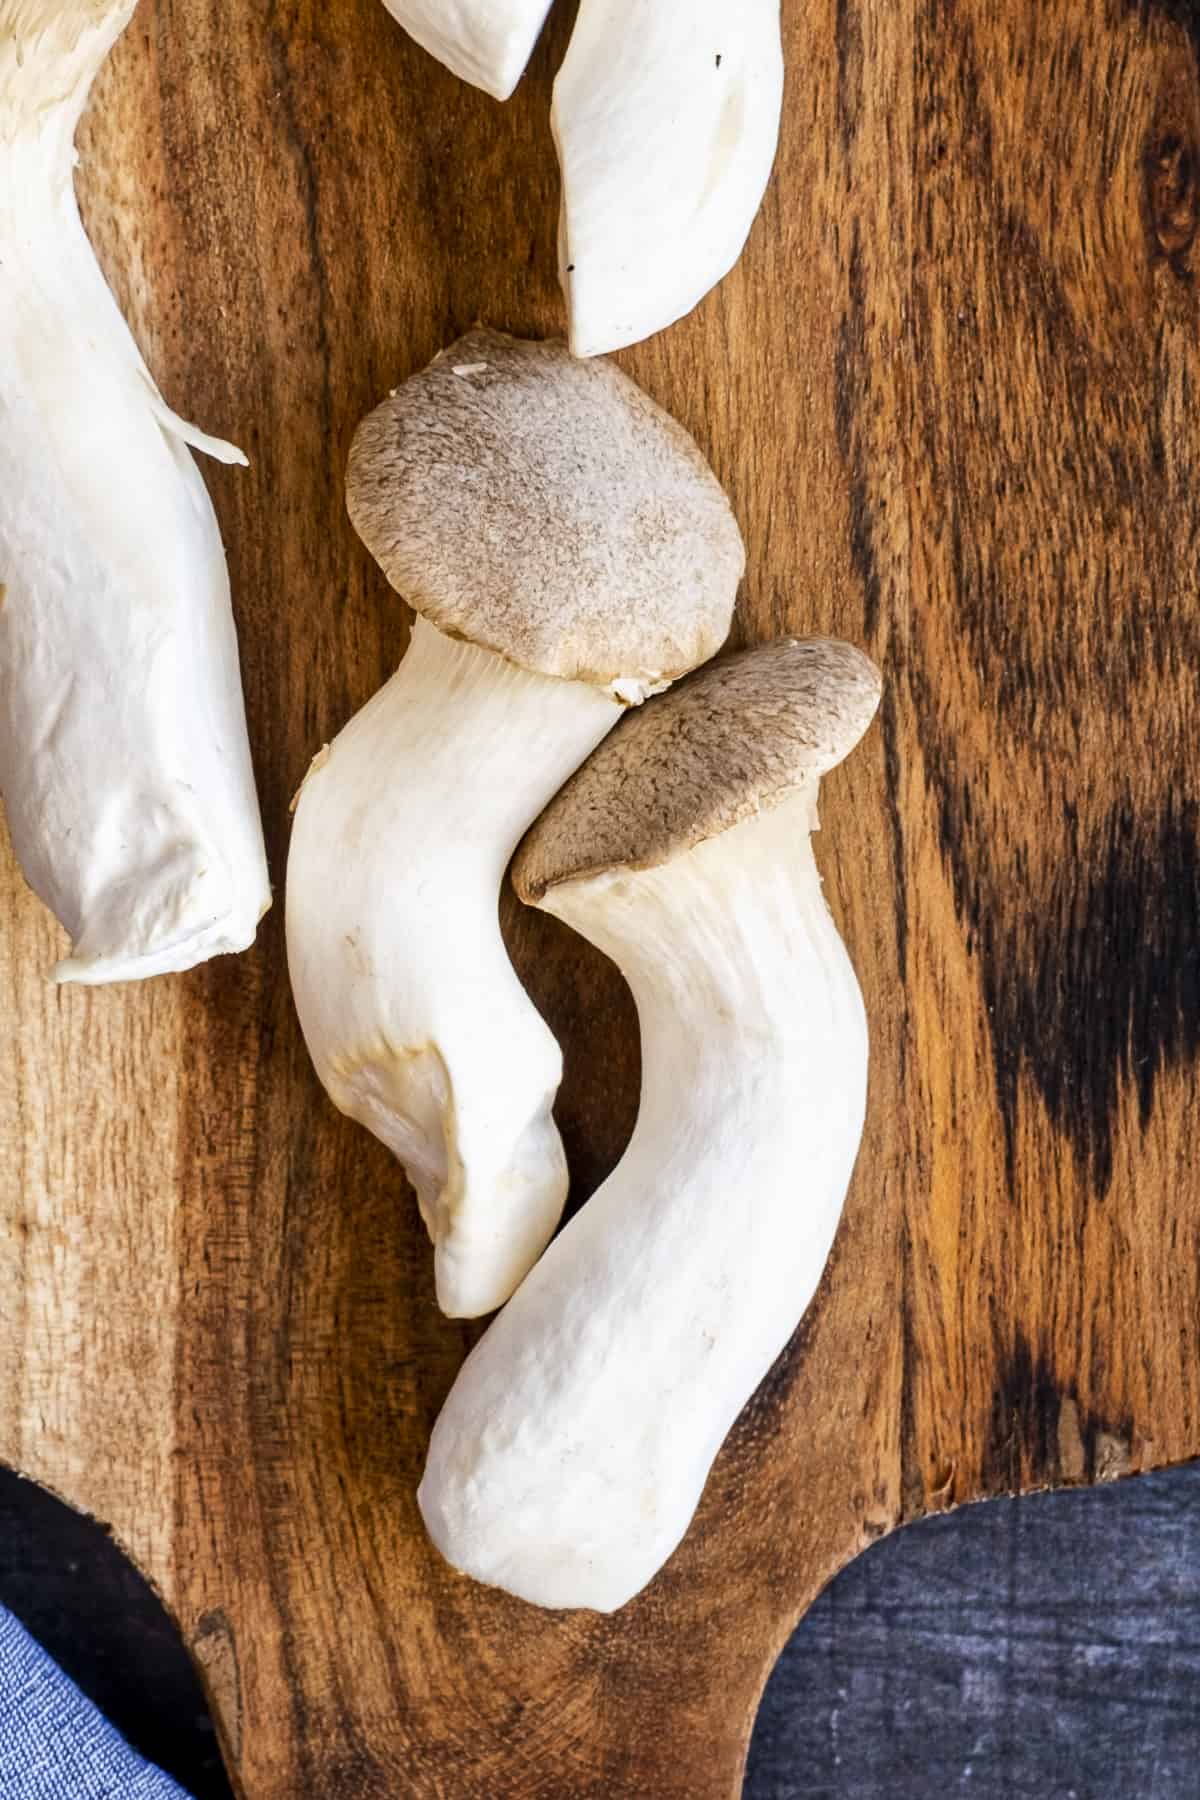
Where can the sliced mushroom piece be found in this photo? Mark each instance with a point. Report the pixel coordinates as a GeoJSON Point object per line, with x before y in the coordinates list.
{"type": "Point", "coordinates": [485, 42]}
{"type": "Point", "coordinates": [572, 1451]}
{"type": "Point", "coordinates": [666, 119]}
{"type": "Point", "coordinates": [124, 761]}
{"type": "Point", "coordinates": [569, 551]}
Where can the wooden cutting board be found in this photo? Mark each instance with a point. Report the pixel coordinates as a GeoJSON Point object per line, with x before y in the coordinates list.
{"type": "Point", "coordinates": [953, 390]}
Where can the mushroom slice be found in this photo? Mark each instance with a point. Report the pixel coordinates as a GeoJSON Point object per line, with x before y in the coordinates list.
{"type": "Point", "coordinates": [572, 1451]}
{"type": "Point", "coordinates": [569, 551]}
{"type": "Point", "coordinates": [124, 762]}
{"type": "Point", "coordinates": [666, 119]}
{"type": "Point", "coordinates": [486, 42]}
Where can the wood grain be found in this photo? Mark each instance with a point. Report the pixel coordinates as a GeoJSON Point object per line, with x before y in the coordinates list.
{"type": "Point", "coordinates": [952, 389]}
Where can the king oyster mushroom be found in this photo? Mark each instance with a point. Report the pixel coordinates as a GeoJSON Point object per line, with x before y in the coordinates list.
{"type": "Point", "coordinates": [571, 1453]}
{"type": "Point", "coordinates": [124, 761]}
{"type": "Point", "coordinates": [568, 551]}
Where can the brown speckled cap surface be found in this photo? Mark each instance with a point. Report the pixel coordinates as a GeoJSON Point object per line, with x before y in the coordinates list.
{"type": "Point", "coordinates": [735, 739]}
{"type": "Point", "coordinates": [547, 509]}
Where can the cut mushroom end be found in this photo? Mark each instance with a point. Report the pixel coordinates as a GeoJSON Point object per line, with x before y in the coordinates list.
{"type": "Point", "coordinates": [172, 943]}
{"type": "Point", "coordinates": [485, 42]}
{"type": "Point", "coordinates": [666, 123]}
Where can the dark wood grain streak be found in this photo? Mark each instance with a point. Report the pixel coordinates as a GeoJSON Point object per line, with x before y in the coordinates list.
{"type": "Point", "coordinates": [952, 389]}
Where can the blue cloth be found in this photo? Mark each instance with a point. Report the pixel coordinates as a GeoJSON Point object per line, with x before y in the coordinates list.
{"type": "Point", "coordinates": [54, 1745]}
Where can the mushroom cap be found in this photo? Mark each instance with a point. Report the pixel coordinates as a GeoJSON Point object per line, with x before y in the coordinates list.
{"type": "Point", "coordinates": [548, 510]}
{"type": "Point", "coordinates": [735, 739]}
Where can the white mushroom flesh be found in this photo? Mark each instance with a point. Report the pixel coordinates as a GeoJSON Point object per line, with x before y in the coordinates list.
{"type": "Point", "coordinates": [415, 1020]}
{"type": "Point", "coordinates": [485, 42]}
{"type": "Point", "coordinates": [124, 762]}
{"type": "Point", "coordinates": [666, 120]}
{"type": "Point", "coordinates": [574, 1446]}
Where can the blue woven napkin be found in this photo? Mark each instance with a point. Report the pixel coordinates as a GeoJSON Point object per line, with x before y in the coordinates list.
{"type": "Point", "coordinates": [54, 1745]}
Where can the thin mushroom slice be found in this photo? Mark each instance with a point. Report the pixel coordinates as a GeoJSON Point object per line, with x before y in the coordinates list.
{"type": "Point", "coordinates": [572, 1451]}
{"type": "Point", "coordinates": [666, 119]}
{"type": "Point", "coordinates": [485, 42]}
{"type": "Point", "coordinates": [124, 762]}
{"type": "Point", "coordinates": [569, 551]}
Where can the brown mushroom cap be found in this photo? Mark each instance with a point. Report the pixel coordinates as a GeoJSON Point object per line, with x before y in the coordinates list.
{"type": "Point", "coordinates": [547, 509]}
{"type": "Point", "coordinates": [735, 739]}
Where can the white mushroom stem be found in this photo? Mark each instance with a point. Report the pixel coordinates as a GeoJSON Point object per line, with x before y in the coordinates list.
{"type": "Point", "coordinates": [413, 1015]}
{"type": "Point", "coordinates": [486, 42]}
{"type": "Point", "coordinates": [124, 763]}
{"type": "Point", "coordinates": [666, 120]}
{"type": "Point", "coordinates": [572, 1451]}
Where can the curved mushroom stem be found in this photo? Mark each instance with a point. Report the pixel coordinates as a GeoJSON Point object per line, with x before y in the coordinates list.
{"type": "Point", "coordinates": [124, 762]}
{"type": "Point", "coordinates": [666, 122]}
{"type": "Point", "coordinates": [411, 1010]}
{"type": "Point", "coordinates": [574, 1446]}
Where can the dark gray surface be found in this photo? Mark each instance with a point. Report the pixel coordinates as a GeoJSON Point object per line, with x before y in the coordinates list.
{"type": "Point", "coordinates": [1047, 1647]}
